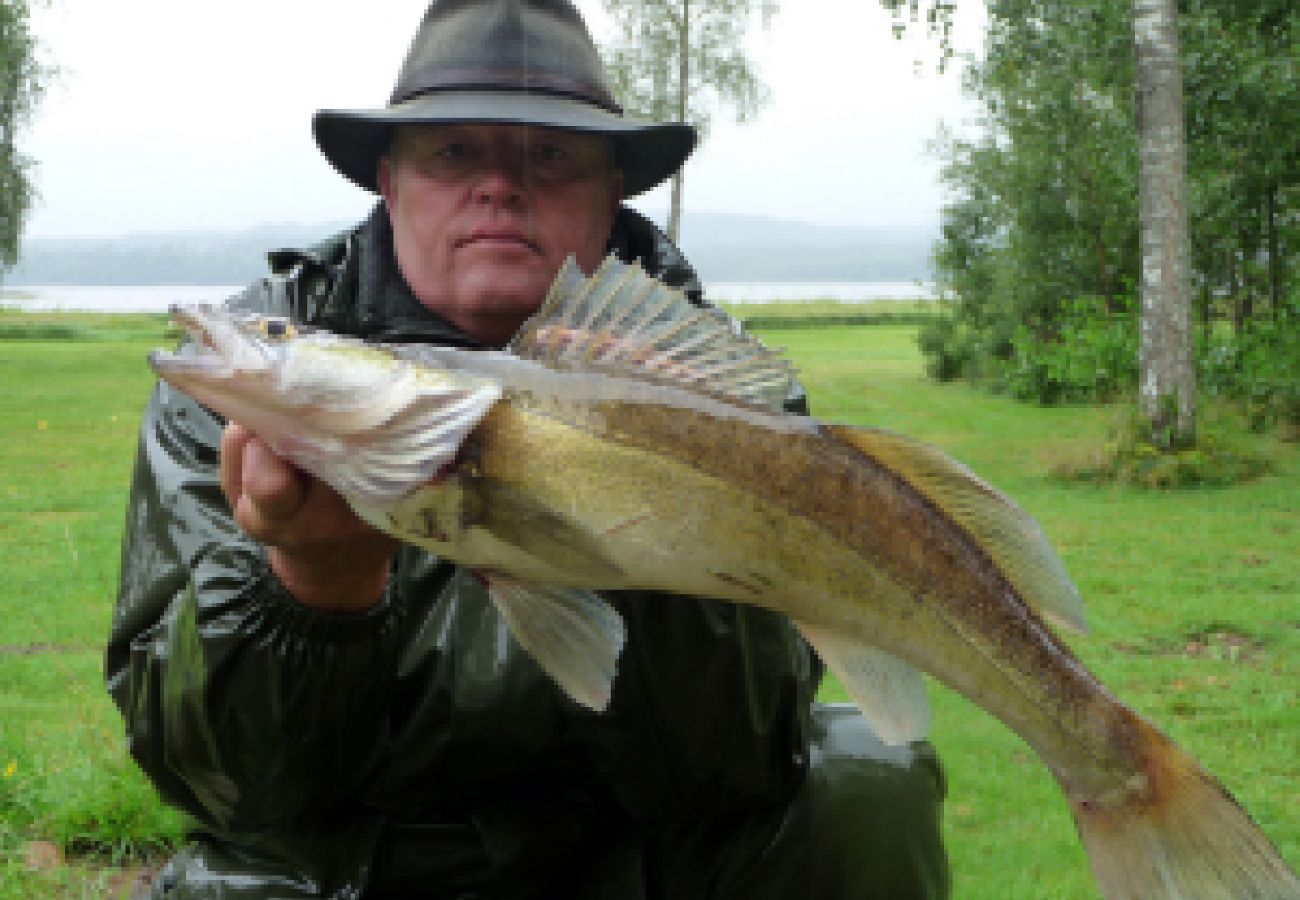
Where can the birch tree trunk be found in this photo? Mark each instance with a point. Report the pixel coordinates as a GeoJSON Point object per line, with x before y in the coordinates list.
{"type": "Point", "coordinates": [1167, 386]}
{"type": "Point", "coordinates": [683, 97]}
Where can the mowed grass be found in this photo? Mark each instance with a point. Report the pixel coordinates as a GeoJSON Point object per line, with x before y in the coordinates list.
{"type": "Point", "coordinates": [69, 412]}
{"type": "Point", "coordinates": [1194, 602]}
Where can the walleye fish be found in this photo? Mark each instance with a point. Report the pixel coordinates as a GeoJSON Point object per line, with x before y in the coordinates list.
{"type": "Point", "coordinates": [626, 439]}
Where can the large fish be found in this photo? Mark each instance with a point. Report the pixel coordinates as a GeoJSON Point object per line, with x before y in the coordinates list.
{"type": "Point", "coordinates": [626, 439]}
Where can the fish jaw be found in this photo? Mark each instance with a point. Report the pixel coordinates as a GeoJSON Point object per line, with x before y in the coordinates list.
{"type": "Point", "coordinates": [233, 370]}
{"type": "Point", "coordinates": [373, 426]}
{"type": "Point", "coordinates": [225, 344]}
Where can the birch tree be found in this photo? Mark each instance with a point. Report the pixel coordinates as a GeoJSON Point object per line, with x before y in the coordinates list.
{"type": "Point", "coordinates": [679, 60]}
{"type": "Point", "coordinates": [20, 85]}
{"type": "Point", "coordinates": [1167, 368]}
{"type": "Point", "coordinates": [1167, 376]}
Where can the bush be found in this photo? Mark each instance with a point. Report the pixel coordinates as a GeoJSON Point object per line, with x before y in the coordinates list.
{"type": "Point", "coordinates": [947, 353]}
{"type": "Point", "coordinates": [956, 347]}
{"type": "Point", "coordinates": [1091, 357]}
{"type": "Point", "coordinates": [1089, 354]}
{"type": "Point", "coordinates": [1260, 368]}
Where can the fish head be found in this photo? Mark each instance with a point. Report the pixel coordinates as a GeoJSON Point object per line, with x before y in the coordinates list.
{"type": "Point", "coordinates": [279, 378]}
{"type": "Point", "coordinates": [371, 423]}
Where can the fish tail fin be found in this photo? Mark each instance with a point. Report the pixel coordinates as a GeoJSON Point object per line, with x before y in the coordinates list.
{"type": "Point", "coordinates": [1181, 835]}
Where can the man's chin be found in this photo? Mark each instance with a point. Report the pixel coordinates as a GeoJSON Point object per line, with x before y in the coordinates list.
{"type": "Point", "coordinates": [505, 290]}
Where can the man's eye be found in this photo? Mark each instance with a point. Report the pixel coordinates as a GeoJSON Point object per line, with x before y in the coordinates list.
{"type": "Point", "coordinates": [453, 151]}
{"type": "Point", "coordinates": [548, 153]}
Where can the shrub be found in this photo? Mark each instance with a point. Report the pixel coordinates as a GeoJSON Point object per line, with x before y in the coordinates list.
{"type": "Point", "coordinates": [1091, 357]}
{"type": "Point", "coordinates": [1260, 368]}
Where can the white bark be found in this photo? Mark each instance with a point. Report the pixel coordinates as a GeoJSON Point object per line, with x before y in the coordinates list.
{"type": "Point", "coordinates": [1167, 389]}
{"type": "Point", "coordinates": [683, 95]}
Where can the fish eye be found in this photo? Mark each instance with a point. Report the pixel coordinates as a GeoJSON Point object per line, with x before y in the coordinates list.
{"type": "Point", "coordinates": [277, 328]}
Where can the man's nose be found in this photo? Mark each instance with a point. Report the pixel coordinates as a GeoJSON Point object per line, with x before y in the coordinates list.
{"type": "Point", "coordinates": [502, 178]}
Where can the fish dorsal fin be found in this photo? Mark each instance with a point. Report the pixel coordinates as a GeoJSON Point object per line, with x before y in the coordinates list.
{"type": "Point", "coordinates": [1009, 535]}
{"type": "Point", "coordinates": [620, 321]}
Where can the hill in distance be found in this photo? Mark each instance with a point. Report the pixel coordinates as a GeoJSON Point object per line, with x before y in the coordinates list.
{"type": "Point", "coordinates": [724, 247]}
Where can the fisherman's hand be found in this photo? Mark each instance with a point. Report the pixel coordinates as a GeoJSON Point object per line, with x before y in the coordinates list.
{"type": "Point", "coordinates": [320, 550]}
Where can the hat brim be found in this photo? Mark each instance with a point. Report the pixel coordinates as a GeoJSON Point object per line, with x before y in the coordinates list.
{"type": "Point", "coordinates": [647, 152]}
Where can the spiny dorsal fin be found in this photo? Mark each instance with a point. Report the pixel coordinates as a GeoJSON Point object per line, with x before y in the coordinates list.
{"type": "Point", "coordinates": [1009, 535]}
{"type": "Point", "coordinates": [621, 321]}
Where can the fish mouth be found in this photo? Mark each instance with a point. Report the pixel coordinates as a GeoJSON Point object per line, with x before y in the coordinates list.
{"type": "Point", "coordinates": [217, 347]}
{"type": "Point", "coordinates": [171, 366]}
{"type": "Point", "coordinates": [192, 319]}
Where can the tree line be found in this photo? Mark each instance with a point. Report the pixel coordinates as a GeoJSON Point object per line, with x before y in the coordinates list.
{"type": "Point", "coordinates": [1042, 248]}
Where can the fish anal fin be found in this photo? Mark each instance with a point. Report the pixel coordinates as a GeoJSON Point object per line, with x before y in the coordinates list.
{"type": "Point", "coordinates": [889, 691]}
{"type": "Point", "coordinates": [620, 321]}
{"type": "Point", "coordinates": [1004, 531]}
{"type": "Point", "coordinates": [575, 636]}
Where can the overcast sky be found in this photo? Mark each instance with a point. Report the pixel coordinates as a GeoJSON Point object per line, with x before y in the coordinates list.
{"type": "Point", "coordinates": [170, 114]}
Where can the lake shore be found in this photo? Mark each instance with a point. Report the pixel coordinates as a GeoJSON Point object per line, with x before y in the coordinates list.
{"type": "Point", "coordinates": [158, 298]}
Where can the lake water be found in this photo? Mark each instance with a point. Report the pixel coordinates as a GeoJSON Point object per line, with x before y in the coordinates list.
{"type": "Point", "coordinates": [118, 299]}
{"type": "Point", "coordinates": [156, 298]}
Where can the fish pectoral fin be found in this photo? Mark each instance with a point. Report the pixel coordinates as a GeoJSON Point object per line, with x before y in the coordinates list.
{"type": "Point", "coordinates": [889, 691]}
{"type": "Point", "coordinates": [514, 517]}
{"type": "Point", "coordinates": [575, 636]}
{"type": "Point", "coordinates": [408, 449]}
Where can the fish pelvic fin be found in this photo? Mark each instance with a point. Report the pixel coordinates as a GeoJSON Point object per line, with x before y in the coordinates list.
{"type": "Point", "coordinates": [1178, 833]}
{"type": "Point", "coordinates": [620, 321]}
{"type": "Point", "coordinates": [889, 691]}
{"type": "Point", "coordinates": [575, 636]}
{"type": "Point", "coordinates": [1009, 535]}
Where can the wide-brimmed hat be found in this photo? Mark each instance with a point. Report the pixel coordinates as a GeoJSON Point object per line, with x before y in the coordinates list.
{"type": "Point", "coordinates": [526, 62]}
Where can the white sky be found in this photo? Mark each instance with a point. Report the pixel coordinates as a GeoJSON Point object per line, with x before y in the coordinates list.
{"type": "Point", "coordinates": [170, 114]}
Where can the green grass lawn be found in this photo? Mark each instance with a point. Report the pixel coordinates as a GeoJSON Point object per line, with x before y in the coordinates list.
{"type": "Point", "coordinates": [1194, 602]}
{"type": "Point", "coordinates": [68, 418]}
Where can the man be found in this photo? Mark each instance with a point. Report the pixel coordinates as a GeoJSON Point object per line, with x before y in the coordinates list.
{"type": "Point", "coordinates": [346, 717]}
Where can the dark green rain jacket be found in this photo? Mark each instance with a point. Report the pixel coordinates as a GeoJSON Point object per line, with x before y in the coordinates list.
{"type": "Point", "coordinates": [416, 751]}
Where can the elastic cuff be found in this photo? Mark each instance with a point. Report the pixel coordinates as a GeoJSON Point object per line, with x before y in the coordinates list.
{"type": "Point", "coordinates": [266, 591]}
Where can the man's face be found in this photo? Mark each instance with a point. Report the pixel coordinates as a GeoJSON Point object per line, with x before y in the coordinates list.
{"type": "Point", "coordinates": [484, 215]}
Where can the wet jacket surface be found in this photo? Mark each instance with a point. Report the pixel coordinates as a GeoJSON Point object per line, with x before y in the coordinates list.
{"type": "Point", "coordinates": [416, 750]}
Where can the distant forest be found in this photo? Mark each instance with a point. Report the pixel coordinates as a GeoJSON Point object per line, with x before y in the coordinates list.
{"type": "Point", "coordinates": [723, 247]}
